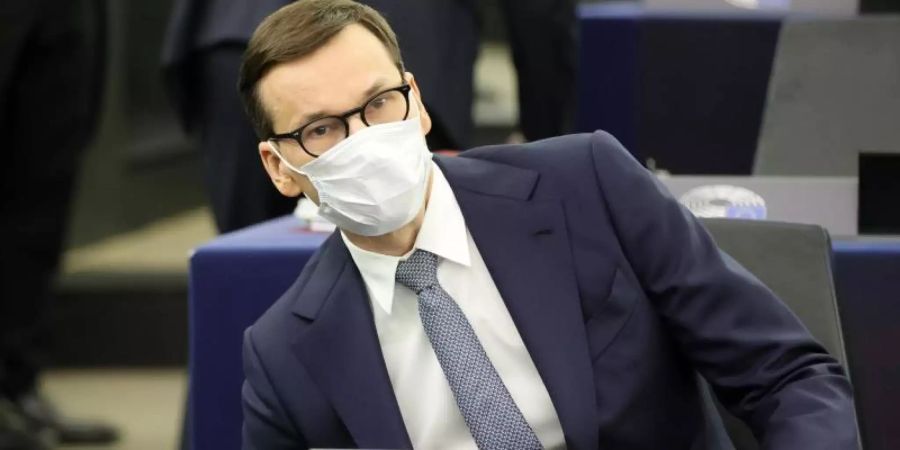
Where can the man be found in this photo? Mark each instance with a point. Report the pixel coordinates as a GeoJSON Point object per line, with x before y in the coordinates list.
{"type": "Point", "coordinates": [201, 53]}
{"type": "Point", "coordinates": [50, 72]}
{"type": "Point", "coordinates": [545, 295]}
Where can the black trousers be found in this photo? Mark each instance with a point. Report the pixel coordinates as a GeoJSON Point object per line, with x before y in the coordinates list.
{"type": "Point", "coordinates": [439, 40]}
{"type": "Point", "coordinates": [543, 36]}
{"type": "Point", "coordinates": [240, 191]}
{"type": "Point", "coordinates": [49, 88]}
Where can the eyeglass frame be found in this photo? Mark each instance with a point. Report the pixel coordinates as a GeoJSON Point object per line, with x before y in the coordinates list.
{"type": "Point", "coordinates": [297, 134]}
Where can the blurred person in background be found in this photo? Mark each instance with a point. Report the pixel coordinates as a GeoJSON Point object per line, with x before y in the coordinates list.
{"type": "Point", "coordinates": [201, 56]}
{"type": "Point", "coordinates": [440, 40]}
{"type": "Point", "coordinates": [543, 37]}
{"type": "Point", "coordinates": [50, 78]}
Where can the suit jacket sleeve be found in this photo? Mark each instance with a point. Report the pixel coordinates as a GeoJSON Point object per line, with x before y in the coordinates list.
{"type": "Point", "coordinates": [761, 361]}
{"type": "Point", "coordinates": [266, 425]}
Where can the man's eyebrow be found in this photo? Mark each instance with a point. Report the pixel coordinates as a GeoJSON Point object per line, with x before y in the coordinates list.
{"type": "Point", "coordinates": [377, 86]}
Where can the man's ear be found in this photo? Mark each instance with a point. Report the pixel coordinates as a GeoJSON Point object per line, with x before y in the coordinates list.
{"type": "Point", "coordinates": [281, 175]}
{"type": "Point", "coordinates": [424, 118]}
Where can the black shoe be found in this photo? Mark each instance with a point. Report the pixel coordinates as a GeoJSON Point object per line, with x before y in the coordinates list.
{"type": "Point", "coordinates": [17, 433]}
{"type": "Point", "coordinates": [39, 411]}
{"type": "Point", "coordinates": [19, 440]}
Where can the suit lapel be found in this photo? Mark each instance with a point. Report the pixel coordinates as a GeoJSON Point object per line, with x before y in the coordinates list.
{"type": "Point", "coordinates": [340, 349]}
{"type": "Point", "coordinates": [525, 246]}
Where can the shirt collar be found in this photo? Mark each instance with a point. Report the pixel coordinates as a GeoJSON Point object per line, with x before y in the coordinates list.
{"type": "Point", "coordinates": [443, 233]}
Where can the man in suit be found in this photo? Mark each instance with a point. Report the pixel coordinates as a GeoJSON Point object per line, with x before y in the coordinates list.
{"type": "Point", "coordinates": [51, 65]}
{"type": "Point", "coordinates": [201, 54]}
{"type": "Point", "coordinates": [545, 295]}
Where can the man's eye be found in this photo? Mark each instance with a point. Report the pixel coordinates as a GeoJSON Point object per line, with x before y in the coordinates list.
{"type": "Point", "coordinates": [318, 131]}
{"type": "Point", "coordinates": [378, 102]}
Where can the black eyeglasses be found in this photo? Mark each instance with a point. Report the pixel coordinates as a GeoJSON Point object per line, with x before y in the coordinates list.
{"type": "Point", "coordinates": [320, 135]}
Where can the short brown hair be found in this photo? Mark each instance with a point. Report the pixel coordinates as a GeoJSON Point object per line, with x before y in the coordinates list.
{"type": "Point", "coordinates": [297, 30]}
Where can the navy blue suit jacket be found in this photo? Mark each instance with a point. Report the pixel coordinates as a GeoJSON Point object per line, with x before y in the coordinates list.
{"type": "Point", "coordinates": [620, 296]}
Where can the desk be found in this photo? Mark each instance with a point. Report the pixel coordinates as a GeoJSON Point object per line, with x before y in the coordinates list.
{"type": "Point", "coordinates": [233, 280]}
{"type": "Point", "coordinates": [687, 89]}
{"type": "Point", "coordinates": [867, 278]}
{"type": "Point", "coordinates": [236, 277]}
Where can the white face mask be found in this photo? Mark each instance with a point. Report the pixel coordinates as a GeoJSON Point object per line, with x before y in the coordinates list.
{"type": "Point", "coordinates": [373, 182]}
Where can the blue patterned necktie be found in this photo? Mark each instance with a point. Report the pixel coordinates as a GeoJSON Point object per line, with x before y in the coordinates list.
{"type": "Point", "coordinates": [489, 411]}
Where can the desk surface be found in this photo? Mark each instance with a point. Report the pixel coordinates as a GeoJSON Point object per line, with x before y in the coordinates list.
{"type": "Point", "coordinates": [281, 234]}
{"type": "Point", "coordinates": [618, 10]}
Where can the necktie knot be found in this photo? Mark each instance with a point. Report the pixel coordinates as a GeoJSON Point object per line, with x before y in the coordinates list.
{"type": "Point", "coordinates": [419, 271]}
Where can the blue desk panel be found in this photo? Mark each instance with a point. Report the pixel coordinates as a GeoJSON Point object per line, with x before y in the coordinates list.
{"type": "Point", "coordinates": [686, 89]}
{"type": "Point", "coordinates": [867, 278]}
{"type": "Point", "coordinates": [237, 276]}
{"type": "Point", "coordinates": [233, 281]}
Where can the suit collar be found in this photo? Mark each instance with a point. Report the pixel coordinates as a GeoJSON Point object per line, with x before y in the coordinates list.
{"type": "Point", "coordinates": [332, 258]}
{"type": "Point", "coordinates": [487, 177]}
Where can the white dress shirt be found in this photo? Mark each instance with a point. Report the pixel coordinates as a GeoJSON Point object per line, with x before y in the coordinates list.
{"type": "Point", "coordinates": [426, 402]}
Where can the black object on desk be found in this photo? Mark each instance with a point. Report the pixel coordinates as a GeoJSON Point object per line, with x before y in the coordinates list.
{"type": "Point", "coordinates": [879, 193]}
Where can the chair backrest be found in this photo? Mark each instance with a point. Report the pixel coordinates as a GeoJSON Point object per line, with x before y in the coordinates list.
{"type": "Point", "coordinates": [834, 92]}
{"type": "Point", "coordinates": [794, 261]}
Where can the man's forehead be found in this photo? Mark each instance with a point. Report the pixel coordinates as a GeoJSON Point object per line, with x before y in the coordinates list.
{"type": "Point", "coordinates": [335, 74]}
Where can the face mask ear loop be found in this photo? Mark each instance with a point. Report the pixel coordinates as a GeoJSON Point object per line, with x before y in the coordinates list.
{"type": "Point", "coordinates": [284, 160]}
{"type": "Point", "coordinates": [413, 106]}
